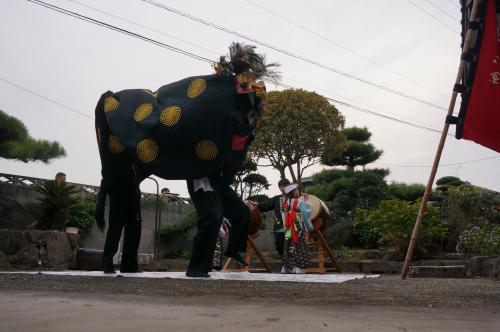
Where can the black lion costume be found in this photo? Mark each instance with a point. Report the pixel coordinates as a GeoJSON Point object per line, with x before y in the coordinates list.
{"type": "Point", "coordinates": [198, 129]}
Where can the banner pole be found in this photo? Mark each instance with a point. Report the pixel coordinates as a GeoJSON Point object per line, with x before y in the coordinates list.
{"type": "Point", "coordinates": [444, 133]}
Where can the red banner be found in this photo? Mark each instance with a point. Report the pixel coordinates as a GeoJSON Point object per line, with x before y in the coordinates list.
{"type": "Point", "coordinates": [482, 118]}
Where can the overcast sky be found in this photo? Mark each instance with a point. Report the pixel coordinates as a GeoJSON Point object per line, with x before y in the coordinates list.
{"type": "Point", "coordinates": [391, 43]}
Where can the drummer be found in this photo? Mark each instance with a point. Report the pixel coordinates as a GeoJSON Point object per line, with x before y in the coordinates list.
{"type": "Point", "coordinates": [276, 204]}
{"type": "Point", "coordinates": [297, 222]}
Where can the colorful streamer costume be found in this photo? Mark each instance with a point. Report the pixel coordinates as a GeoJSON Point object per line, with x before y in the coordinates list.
{"type": "Point", "coordinates": [296, 216]}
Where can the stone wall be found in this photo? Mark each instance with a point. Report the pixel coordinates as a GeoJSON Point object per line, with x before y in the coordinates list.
{"type": "Point", "coordinates": [34, 249]}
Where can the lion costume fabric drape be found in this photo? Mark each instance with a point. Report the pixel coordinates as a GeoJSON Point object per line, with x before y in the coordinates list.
{"type": "Point", "coordinates": [187, 129]}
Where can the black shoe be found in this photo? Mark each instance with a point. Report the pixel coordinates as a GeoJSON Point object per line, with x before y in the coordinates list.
{"type": "Point", "coordinates": [236, 256]}
{"type": "Point", "coordinates": [217, 268]}
{"type": "Point", "coordinates": [107, 266]}
{"type": "Point", "coordinates": [197, 274]}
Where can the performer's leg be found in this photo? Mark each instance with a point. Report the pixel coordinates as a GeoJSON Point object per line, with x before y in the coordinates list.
{"type": "Point", "coordinates": [287, 264]}
{"type": "Point", "coordinates": [217, 258]}
{"type": "Point", "coordinates": [132, 233]}
{"type": "Point", "coordinates": [301, 252]}
{"type": "Point", "coordinates": [279, 242]}
{"type": "Point", "coordinates": [209, 211]}
{"type": "Point", "coordinates": [239, 215]}
{"type": "Point", "coordinates": [115, 227]}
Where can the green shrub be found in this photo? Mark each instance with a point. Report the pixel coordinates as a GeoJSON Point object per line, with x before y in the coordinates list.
{"type": "Point", "coordinates": [366, 233]}
{"type": "Point", "coordinates": [170, 232]}
{"type": "Point", "coordinates": [465, 205]}
{"type": "Point", "coordinates": [395, 219]}
{"type": "Point", "coordinates": [59, 201]}
{"type": "Point", "coordinates": [83, 219]}
{"type": "Point", "coordinates": [449, 180]}
{"type": "Point", "coordinates": [480, 239]}
{"type": "Point", "coordinates": [406, 192]}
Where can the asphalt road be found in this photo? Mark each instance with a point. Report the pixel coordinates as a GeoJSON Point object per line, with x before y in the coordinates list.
{"type": "Point", "coordinates": [65, 303]}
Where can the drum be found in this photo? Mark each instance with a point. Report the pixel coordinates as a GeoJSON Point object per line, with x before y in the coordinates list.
{"type": "Point", "coordinates": [255, 221]}
{"type": "Point", "coordinates": [320, 209]}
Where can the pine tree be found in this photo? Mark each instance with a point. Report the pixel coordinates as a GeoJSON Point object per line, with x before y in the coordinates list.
{"type": "Point", "coordinates": [15, 143]}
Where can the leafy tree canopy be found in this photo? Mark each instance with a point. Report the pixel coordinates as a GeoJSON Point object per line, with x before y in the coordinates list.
{"type": "Point", "coordinates": [297, 128]}
{"type": "Point", "coordinates": [15, 143]}
{"type": "Point", "coordinates": [358, 152]}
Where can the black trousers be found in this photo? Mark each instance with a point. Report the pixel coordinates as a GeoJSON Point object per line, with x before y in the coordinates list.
{"type": "Point", "coordinates": [124, 215]}
{"type": "Point", "coordinates": [211, 207]}
{"type": "Point", "coordinates": [279, 242]}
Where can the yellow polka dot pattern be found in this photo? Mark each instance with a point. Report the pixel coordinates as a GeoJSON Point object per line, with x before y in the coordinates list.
{"type": "Point", "coordinates": [114, 145]}
{"type": "Point", "coordinates": [110, 104]}
{"type": "Point", "coordinates": [196, 88]}
{"type": "Point", "coordinates": [170, 116]}
{"type": "Point", "coordinates": [143, 111]}
{"type": "Point", "coordinates": [206, 150]}
{"type": "Point", "coordinates": [147, 150]}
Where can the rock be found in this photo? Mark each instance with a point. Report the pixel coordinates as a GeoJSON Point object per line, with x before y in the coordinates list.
{"type": "Point", "coordinates": [25, 259]}
{"type": "Point", "coordinates": [59, 249]}
{"type": "Point", "coordinates": [456, 271]}
{"type": "Point", "coordinates": [485, 266]}
{"type": "Point", "coordinates": [89, 259]}
{"type": "Point", "coordinates": [15, 216]}
{"type": "Point", "coordinates": [26, 250]}
{"type": "Point", "coordinates": [11, 241]}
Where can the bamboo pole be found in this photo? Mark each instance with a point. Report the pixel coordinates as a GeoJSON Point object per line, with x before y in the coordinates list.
{"type": "Point", "coordinates": [444, 133]}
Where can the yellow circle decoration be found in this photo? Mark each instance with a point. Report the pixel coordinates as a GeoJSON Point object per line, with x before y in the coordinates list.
{"type": "Point", "coordinates": [196, 87]}
{"type": "Point", "coordinates": [114, 145]}
{"type": "Point", "coordinates": [143, 111]}
{"type": "Point", "coordinates": [110, 104]}
{"type": "Point", "coordinates": [170, 115]}
{"type": "Point", "coordinates": [206, 150]}
{"type": "Point", "coordinates": [147, 150]}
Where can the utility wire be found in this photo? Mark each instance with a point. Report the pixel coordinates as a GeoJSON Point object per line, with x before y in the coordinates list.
{"type": "Point", "coordinates": [200, 58]}
{"type": "Point", "coordinates": [144, 27]}
{"type": "Point", "coordinates": [442, 10]}
{"type": "Point", "coordinates": [364, 110]}
{"type": "Point", "coordinates": [345, 48]}
{"type": "Point", "coordinates": [196, 45]}
{"type": "Point", "coordinates": [293, 55]}
{"type": "Point", "coordinates": [175, 49]}
{"type": "Point", "coordinates": [452, 164]}
{"type": "Point", "coordinates": [124, 31]}
{"type": "Point", "coordinates": [47, 99]}
{"type": "Point", "coordinates": [434, 17]}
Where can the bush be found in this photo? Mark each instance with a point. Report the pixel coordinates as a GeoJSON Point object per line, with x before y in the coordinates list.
{"type": "Point", "coordinates": [406, 192]}
{"type": "Point", "coordinates": [367, 235]}
{"type": "Point", "coordinates": [395, 219]}
{"type": "Point", "coordinates": [84, 218]}
{"type": "Point", "coordinates": [168, 233]}
{"type": "Point", "coordinates": [449, 181]}
{"type": "Point", "coordinates": [466, 205]}
{"type": "Point", "coordinates": [59, 201]}
{"type": "Point", "coordinates": [480, 239]}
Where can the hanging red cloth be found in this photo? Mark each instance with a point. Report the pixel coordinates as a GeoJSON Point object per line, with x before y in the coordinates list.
{"type": "Point", "coordinates": [290, 217]}
{"type": "Point", "coordinates": [481, 122]}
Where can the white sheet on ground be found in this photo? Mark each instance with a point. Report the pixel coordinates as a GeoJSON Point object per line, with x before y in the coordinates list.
{"type": "Point", "coordinates": [322, 278]}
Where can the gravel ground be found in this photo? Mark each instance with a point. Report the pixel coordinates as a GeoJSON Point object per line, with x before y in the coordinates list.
{"type": "Point", "coordinates": [49, 303]}
{"type": "Point", "coordinates": [475, 294]}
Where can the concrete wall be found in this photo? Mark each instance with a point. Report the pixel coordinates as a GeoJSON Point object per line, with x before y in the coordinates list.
{"type": "Point", "coordinates": [171, 213]}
